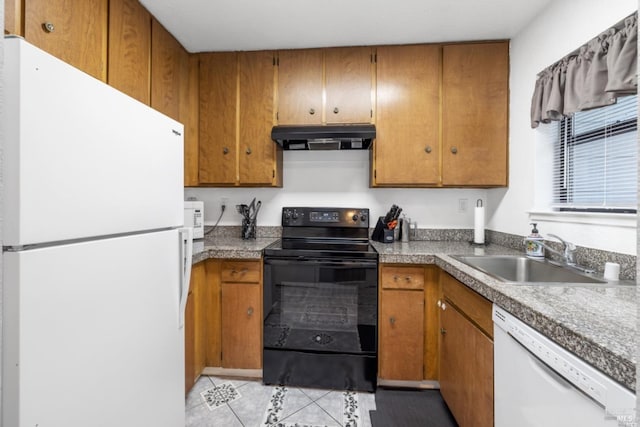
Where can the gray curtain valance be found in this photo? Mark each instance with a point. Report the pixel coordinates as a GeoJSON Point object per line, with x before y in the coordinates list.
{"type": "Point", "coordinates": [593, 76]}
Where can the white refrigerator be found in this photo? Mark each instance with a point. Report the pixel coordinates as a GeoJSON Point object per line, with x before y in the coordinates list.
{"type": "Point", "coordinates": [95, 262]}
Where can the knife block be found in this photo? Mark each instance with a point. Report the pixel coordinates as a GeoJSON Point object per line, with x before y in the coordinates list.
{"type": "Point", "coordinates": [381, 233]}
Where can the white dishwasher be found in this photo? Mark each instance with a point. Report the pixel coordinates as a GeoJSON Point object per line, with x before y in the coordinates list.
{"type": "Point", "coordinates": [539, 384]}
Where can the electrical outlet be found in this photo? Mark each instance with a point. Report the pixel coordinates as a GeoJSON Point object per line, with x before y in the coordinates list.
{"type": "Point", "coordinates": [463, 205]}
{"type": "Point", "coordinates": [224, 201]}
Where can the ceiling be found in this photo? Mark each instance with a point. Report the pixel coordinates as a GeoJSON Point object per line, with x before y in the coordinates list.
{"type": "Point", "coordinates": [221, 25]}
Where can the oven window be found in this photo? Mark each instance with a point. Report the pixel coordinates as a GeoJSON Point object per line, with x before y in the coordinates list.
{"type": "Point", "coordinates": [321, 307]}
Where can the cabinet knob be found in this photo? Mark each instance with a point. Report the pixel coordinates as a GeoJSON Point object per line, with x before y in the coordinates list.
{"type": "Point", "coordinates": [312, 111]}
{"type": "Point", "coordinates": [48, 27]}
{"type": "Point", "coordinates": [225, 150]}
{"type": "Point", "coordinates": [248, 150]}
{"type": "Point", "coordinates": [454, 150]}
{"type": "Point", "coordinates": [439, 303]}
{"type": "Point", "coordinates": [443, 306]}
{"type": "Point", "coordinates": [427, 149]}
{"type": "Point", "coordinates": [336, 110]}
{"type": "Point", "coordinates": [395, 278]}
{"type": "Point", "coordinates": [407, 279]}
{"type": "Point", "coordinates": [249, 311]}
{"type": "Point", "coordinates": [443, 331]}
{"type": "Point", "coordinates": [392, 320]}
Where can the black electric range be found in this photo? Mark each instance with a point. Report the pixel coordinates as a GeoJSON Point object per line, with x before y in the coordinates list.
{"type": "Point", "coordinates": [321, 301]}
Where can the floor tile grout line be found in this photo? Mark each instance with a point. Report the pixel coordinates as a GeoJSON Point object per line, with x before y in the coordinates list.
{"type": "Point", "coordinates": [236, 415]}
{"type": "Point", "coordinates": [331, 416]}
{"type": "Point", "coordinates": [312, 399]}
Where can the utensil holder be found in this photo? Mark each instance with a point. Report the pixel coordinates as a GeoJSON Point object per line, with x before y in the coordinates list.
{"type": "Point", "coordinates": [248, 229]}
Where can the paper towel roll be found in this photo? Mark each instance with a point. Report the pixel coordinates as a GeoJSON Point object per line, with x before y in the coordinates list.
{"type": "Point", "coordinates": [478, 225]}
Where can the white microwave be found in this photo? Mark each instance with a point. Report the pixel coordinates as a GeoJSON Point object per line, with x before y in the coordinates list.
{"type": "Point", "coordinates": [194, 217]}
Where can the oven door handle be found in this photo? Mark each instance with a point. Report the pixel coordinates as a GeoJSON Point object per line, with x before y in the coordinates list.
{"type": "Point", "coordinates": [323, 262]}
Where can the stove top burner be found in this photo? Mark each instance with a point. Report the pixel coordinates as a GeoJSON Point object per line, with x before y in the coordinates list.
{"type": "Point", "coordinates": [324, 232]}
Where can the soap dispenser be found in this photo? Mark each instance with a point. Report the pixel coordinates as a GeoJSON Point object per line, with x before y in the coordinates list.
{"type": "Point", "coordinates": [533, 248]}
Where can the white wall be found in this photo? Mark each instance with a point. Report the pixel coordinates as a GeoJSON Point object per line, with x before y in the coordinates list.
{"type": "Point", "coordinates": [339, 178]}
{"type": "Point", "coordinates": [562, 27]}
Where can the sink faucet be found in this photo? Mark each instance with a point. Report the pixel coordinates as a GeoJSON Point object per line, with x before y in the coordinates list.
{"type": "Point", "coordinates": [568, 250]}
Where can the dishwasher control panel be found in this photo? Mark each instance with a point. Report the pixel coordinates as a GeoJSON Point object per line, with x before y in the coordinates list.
{"type": "Point", "coordinates": [604, 390]}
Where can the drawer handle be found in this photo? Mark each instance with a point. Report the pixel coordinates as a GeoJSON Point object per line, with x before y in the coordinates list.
{"type": "Point", "coordinates": [48, 27]}
{"type": "Point", "coordinates": [408, 279]}
{"type": "Point", "coordinates": [395, 278]}
{"type": "Point", "coordinates": [392, 320]}
{"type": "Point", "coordinates": [443, 331]}
{"type": "Point", "coordinates": [250, 311]}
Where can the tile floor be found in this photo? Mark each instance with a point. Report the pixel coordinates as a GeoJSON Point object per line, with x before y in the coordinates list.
{"type": "Point", "coordinates": [225, 402]}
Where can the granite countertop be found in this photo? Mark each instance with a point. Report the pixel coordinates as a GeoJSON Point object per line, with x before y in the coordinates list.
{"type": "Point", "coordinates": [596, 323]}
{"type": "Point", "coordinates": [229, 247]}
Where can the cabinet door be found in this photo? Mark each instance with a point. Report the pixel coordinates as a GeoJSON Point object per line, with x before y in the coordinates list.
{"type": "Point", "coordinates": [13, 17]}
{"type": "Point", "coordinates": [348, 77]}
{"type": "Point", "coordinates": [74, 31]}
{"type": "Point", "coordinates": [130, 49]}
{"type": "Point", "coordinates": [195, 326]}
{"type": "Point", "coordinates": [406, 150]}
{"type": "Point", "coordinates": [190, 118]}
{"type": "Point", "coordinates": [218, 104]}
{"type": "Point", "coordinates": [257, 152]}
{"type": "Point", "coordinates": [168, 59]}
{"type": "Point", "coordinates": [401, 326]}
{"type": "Point", "coordinates": [474, 114]}
{"type": "Point", "coordinates": [300, 86]}
{"type": "Point", "coordinates": [241, 326]}
{"type": "Point", "coordinates": [466, 370]}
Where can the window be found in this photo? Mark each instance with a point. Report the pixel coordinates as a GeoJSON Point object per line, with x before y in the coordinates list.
{"type": "Point", "coordinates": [595, 159]}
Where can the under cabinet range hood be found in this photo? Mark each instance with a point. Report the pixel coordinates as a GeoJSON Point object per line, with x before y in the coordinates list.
{"type": "Point", "coordinates": [324, 137]}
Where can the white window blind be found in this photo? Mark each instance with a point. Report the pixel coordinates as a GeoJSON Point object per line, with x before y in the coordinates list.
{"type": "Point", "coordinates": [595, 159]}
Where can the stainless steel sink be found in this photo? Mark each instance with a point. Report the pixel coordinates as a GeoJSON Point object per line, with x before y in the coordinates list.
{"type": "Point", "coordinates": [523, 270]}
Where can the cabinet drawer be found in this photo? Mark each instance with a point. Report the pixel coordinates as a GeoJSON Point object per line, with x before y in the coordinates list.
{"type": "Point", "coordinates": [474, 306]}
{"type": "Point", "coordinates": [402, 278]}
{"type": "Point", "coordinates": [241, 271]}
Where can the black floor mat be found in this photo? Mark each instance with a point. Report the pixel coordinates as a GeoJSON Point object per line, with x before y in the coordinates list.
{"type": "Point", "coordinates": [410, 408]}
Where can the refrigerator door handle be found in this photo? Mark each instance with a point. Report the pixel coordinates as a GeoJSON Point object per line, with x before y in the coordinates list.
{"type": "Point", "coordinates": [186, 254]}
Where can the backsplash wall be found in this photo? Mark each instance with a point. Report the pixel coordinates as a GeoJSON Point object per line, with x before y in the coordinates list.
{"type": "Point", "coordinates": [339, 178]}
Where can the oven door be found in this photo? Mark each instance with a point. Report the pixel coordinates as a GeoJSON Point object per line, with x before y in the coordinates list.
{"type": "Point", "coordinates": [320, 305]}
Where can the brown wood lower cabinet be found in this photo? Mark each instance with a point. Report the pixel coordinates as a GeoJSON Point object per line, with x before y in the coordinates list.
{"type": "Point", "coordinates": [466, 354]}
{"type": "Point", "coordinates": [408, 323]}
{"type": "Point", "coordinates": [241, 326]}
{"type": "Point", "coordinates": [194, 328]}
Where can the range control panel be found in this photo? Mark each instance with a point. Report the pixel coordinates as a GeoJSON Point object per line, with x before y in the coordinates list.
{"type": "Point", "coordinates": [325, 217]}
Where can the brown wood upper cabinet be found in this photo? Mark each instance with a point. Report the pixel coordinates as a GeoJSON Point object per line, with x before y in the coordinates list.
{"type": "Point", "coordinates": [475, 90]}
{"type": "Point", "coordinates": [75, 32]}
{"type": "Point", "coordinates": [236, 117]}
{"type": "Point", "coordinates": [407, 148]}
{"type": "Point", "coordinates": [441, 115]}
{"type": "Point", "coordinates": [130, 49]}
{"type": "Point", "coordinates": [317, 86]}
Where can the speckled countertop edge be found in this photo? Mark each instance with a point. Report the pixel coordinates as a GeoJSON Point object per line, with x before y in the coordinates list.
{"type": "Point", "coordinates": [230, 248]}
{"type": "Point", "coordinates": [580, 319]}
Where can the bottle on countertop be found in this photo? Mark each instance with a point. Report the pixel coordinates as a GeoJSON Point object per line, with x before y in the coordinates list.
{"type": "Point", "coordinates": [531, 243]}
